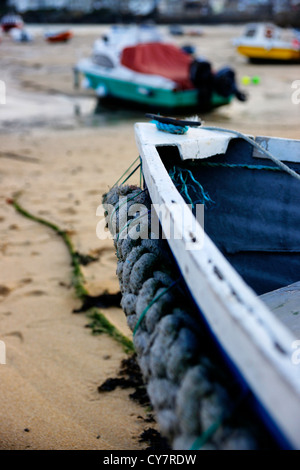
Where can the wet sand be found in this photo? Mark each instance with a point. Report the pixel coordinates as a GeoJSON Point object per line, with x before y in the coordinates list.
{"type": "Point", "coordinates": [61, 157]}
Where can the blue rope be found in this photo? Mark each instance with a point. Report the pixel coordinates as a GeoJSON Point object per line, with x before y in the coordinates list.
{"type": "Point", "coordinates": [130, 174]}
{"type": "Point", "coordinates": [171, 128]}
{"type": "Point", "coordinates": [184, 187]}
{"type": "Point", "coordinates": [138, 158]}
{"type": "Point", "coordinates": [238, 165]}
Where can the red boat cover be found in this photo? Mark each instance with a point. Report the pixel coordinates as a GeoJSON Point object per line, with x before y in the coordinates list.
{"type": "Point", "coordinates": [159, 59]}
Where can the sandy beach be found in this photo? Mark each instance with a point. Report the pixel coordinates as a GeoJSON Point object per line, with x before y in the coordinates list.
{"type": "Point", "coordinates": [60, 157]}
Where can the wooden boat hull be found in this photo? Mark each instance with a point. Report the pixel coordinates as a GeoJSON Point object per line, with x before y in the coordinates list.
{"type": "Point", "coordinates": [256, 344]}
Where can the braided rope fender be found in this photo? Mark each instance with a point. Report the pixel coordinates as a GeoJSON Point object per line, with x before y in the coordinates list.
{"type": "Point", "coordinates": [196, 402]}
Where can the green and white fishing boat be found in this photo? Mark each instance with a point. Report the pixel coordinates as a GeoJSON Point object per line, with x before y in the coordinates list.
{"type": "Point", "coordinates": [135, 65]}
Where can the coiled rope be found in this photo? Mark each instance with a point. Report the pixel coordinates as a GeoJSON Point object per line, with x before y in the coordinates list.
{"type": "Point", "coordinates": [188, 392]}
{"type": "Point", "coordinates": [171, 128]}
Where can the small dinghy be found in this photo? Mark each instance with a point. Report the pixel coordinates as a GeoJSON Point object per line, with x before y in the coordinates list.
{"type": "Point", "coordinates": [214, 300]}
{"type": "Point", "coordinates": [59, 36]}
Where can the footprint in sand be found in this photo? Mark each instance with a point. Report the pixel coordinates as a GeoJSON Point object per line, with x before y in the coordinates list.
{"type": "Point", "coordinates": [4, 290]}
{"type": "Point", "coordinates": [26, 280]}
{"type": "Point", "coordinates": [6, 314]}
{"type": "Point", "coordinates": [68, 210]}
{"type": "Point", "coordinates": [93, 192]}
{"type": "Point", "coordinates": [99, 251]}
{"type": "Point", "coordinates": [17, 334]}
{"type": "Point", "coordinates": [36, 293]}
{"type": "Point", "coordinates": [43, 212]}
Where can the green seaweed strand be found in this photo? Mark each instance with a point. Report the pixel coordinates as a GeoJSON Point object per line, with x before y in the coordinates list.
{"type": "Point", "coordinates": [99, 324]}
{"type": "Point", "coordinates": [77, 275]}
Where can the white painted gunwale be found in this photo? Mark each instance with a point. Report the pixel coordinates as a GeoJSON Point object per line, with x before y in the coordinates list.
{"type": "Point", "coordinates": [244, 327]}
{"type": "Point", "coordinates": [286, 150]}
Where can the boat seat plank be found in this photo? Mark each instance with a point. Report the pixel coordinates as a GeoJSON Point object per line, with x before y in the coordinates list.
{"type": "Point", "coordinates": [285, 304]}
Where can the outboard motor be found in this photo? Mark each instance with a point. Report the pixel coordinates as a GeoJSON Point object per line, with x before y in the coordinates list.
{"type": "Point", "coordinates": [225, 84]}
{"type": "Point", "coordinates": [202, 78]}
{"type": "Point", "coordinates": [206, 81]}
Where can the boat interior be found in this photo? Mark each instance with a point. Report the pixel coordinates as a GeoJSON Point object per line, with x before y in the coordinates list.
{"type": "Point", "coordinates": [252, 215]}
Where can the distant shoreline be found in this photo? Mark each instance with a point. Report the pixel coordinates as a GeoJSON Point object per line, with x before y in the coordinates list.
{"type": "Point", "coordinates": [105, 16]}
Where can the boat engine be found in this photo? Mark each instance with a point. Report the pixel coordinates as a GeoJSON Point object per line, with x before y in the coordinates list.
{"type": "Point", "coordinates": [202, 78]}
{"type": "Point", "coordinates": [206, 81]}
{"type": "Point", "coordinates": [225, 84]}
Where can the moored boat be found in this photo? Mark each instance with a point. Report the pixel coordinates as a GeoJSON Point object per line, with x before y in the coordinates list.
{"type": "Point", "coordinates": [21, 35]}
{"type": "Point", "coordinates": [58, 36]}
{"type": "Point", "coordinates": [11, 21]}
{"type": "Point", "coordinates": [239, 266]}
{"type": "Point", "coordinates": [268, 42]}
{"type": "Point", "coordinates": [155, 75]}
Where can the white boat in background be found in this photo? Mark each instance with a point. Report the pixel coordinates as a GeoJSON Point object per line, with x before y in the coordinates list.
{"type": "Point", "coordinates": [11, 21]}
{"type": "Point", "coordinates": [118, 37]}
{"type": "Point", "coordinates": [21, 35]}
{"type": "Point", "coordinates": [242, 269]}
{"type": "Point", "coordinates": [268, 42]}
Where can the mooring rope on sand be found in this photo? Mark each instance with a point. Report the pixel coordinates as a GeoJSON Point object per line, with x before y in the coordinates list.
{"type": "Point", "coordinates": [193, 399]}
